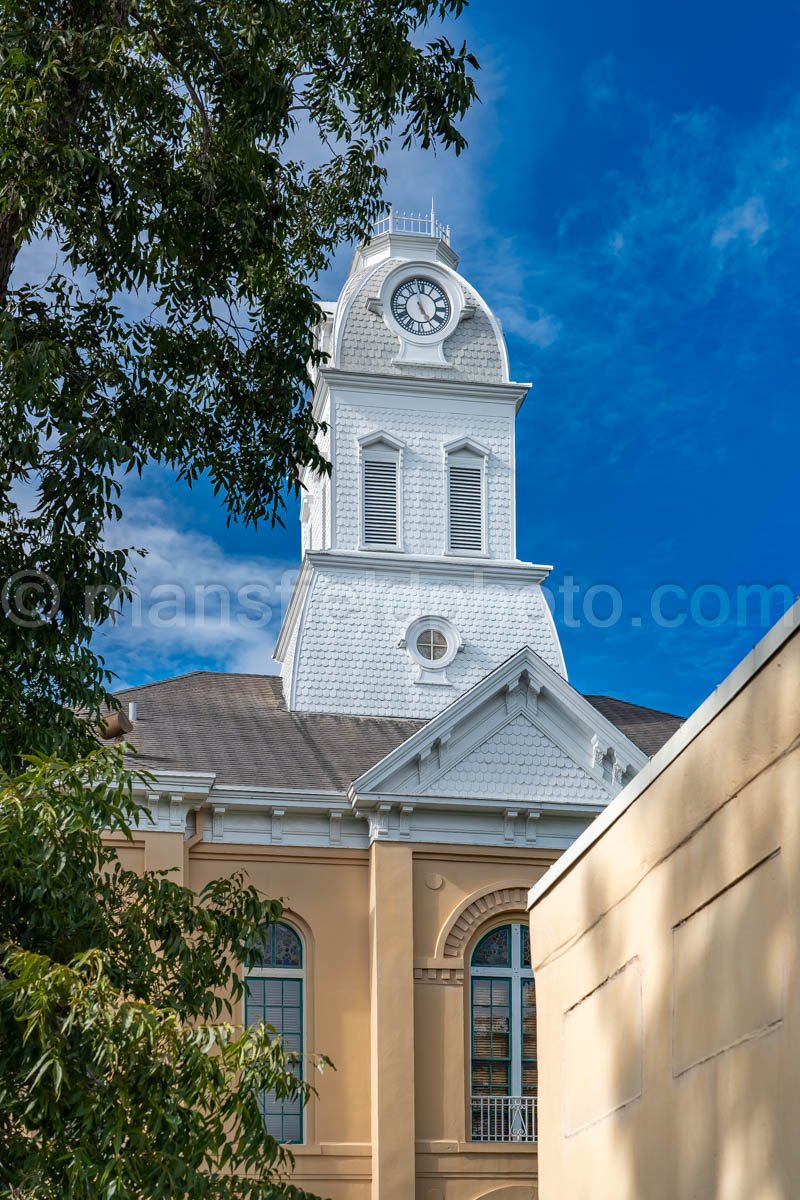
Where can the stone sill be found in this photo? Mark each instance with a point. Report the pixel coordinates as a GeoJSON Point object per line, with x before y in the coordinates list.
{"type": "Point", "coordinates": [445, 1146]}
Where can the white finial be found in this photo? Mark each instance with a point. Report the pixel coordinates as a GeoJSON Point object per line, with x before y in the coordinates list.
{"type": "Point", "coordinates": [433, 218]}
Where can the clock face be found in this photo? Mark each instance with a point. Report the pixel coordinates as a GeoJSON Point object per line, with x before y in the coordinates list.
{"type": "Point", "coordinates": [420, 306]}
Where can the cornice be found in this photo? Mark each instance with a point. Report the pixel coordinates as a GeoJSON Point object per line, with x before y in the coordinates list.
{"type": "Point", "coordinates": [491, 570]}
{"type": "Point", "coordinates": [309, 799]}
{"type": "Point", "coordinates": [201, 785]}
{"type": "Point", "coordinates": [362, 804]}
{"type": "Point", "coordinates": [402, 246]}
{"type": "Point", "coordinates": [512, 394]}
{"type": "Point", "coordinates": [190, 785]}
{"type": "Point", "coordinates": [293, 822]}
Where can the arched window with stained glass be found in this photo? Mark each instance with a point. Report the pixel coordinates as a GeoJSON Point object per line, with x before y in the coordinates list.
{"type": "Point", "coordinates": [503, 1037]}
{"type": "Point", "coordinates": [274, 995]}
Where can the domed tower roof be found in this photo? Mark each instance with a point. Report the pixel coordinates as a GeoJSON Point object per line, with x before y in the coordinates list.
{"type": "Point", "coordinates": [363, 332]}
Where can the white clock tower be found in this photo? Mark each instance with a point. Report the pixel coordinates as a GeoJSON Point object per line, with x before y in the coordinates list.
{"type": "Point", "coordinates": [410, 591]}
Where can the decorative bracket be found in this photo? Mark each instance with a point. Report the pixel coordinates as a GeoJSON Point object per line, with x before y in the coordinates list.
{"type": "Point", "coordinates": [218, 823]}
{"type": "Point", "coordinates": [378, 821]}
{"type": "Point", "coordinates": [599, 753]}
{"type": "Point", "coordinates": [618, 770]}
{"type": "Point", "coordinates": [176, 819]}
{"type": "Point", "coordinates": [153, 801]}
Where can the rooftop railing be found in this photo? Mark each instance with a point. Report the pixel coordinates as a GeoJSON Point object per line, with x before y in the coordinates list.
{"type": "Point", "coordinates": [424, 224]}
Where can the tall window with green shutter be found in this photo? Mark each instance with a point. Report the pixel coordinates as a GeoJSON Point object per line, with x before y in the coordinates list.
{"type": "Point", "coordinates": [274, 996]}
{"type": "Point", "coordinates": [503, 1036]}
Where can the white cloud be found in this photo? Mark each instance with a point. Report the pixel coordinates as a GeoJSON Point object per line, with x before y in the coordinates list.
{"type": "Point", "coordinates": [193, 601]}
{"type": "Point", "coordinates": [540, 330]}
{"type": "Point", "coordinates": [748, 220]}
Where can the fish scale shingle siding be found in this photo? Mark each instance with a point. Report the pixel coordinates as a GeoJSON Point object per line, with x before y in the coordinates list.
{"type": "Point", "coordinates": [368, 345]}
{"type": "Point", "coordinates": [422, 480]}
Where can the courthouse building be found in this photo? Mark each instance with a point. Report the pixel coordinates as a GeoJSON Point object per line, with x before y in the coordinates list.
{"type": "Point", "coordinates": [418, 761]}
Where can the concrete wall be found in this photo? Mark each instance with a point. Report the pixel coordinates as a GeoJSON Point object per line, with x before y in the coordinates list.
{"type": "Point", "coordinates": [665, 956]}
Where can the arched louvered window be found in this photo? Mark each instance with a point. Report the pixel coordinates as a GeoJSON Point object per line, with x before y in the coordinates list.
{"type": "Point", "coordinates": [274, 995]}
{"type": "Point", "coordinates": [503, 1037]}
{"type": "Point", "coordinates": [466, 471]}
{"type": "Point", "coordinates": [381, 459]}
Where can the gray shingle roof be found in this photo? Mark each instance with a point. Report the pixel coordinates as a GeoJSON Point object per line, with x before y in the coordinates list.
{"type": "Point", "coordinates": [647, 728]}
{"type": "Point", "coordinates": [238, 727]}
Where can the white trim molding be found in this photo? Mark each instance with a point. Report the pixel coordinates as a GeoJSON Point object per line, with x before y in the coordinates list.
{"type": "Point", "coordinates": [455, 566]}
{"type": "Point", "coordinates": [440, 390]}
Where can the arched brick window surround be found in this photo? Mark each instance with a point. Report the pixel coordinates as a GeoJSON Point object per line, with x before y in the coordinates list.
{"type": "Point", "coordinates": [503, 899]}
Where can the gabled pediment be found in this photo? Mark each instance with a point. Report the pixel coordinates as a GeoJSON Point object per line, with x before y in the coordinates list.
{"type": "Point", "coordinates": [522, 735]}
{"type": "Point", "coordinates": [516, 762]}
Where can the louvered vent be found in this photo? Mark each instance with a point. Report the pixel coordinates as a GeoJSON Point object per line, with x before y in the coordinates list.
{"type": "Point", "coordinates": [466, 507]}
{"type": "Point", "coordinates": [380, 502]}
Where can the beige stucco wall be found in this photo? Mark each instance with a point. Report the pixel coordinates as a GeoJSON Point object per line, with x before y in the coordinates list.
{"type": "Point", "coordinates": [666, 966]}
{"type": "Point", "coordinates": [387, 933]}
{"type": "Point", "coordinates": [459, 893]}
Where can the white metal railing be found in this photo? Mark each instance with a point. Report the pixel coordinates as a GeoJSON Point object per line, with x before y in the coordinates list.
{"type": "Point", "coordinates": [425, 224]}
{"type": "Point", "coordinates": [503, 1118]}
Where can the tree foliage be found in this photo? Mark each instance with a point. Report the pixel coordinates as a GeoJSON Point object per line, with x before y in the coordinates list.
{"type": "Point", "coordinates": [152, 152]}
{"type": "Point", "coordinates": [122, 1073]}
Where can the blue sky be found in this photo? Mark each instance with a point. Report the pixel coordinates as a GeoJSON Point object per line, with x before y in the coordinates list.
{"type": "Point", "coordinates": [629, 206]}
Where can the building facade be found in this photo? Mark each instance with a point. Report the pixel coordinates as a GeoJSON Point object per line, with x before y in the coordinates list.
{"type": "Point", "coordinates": [419, 759]}
{"type": "Point", "coordinates": [665, 951]}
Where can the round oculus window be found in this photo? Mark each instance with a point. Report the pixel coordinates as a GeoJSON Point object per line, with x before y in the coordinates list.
{"type": "Point", "coordinates": [432, 642]}
{"type": "Point", "coordinates": [431, 645]}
